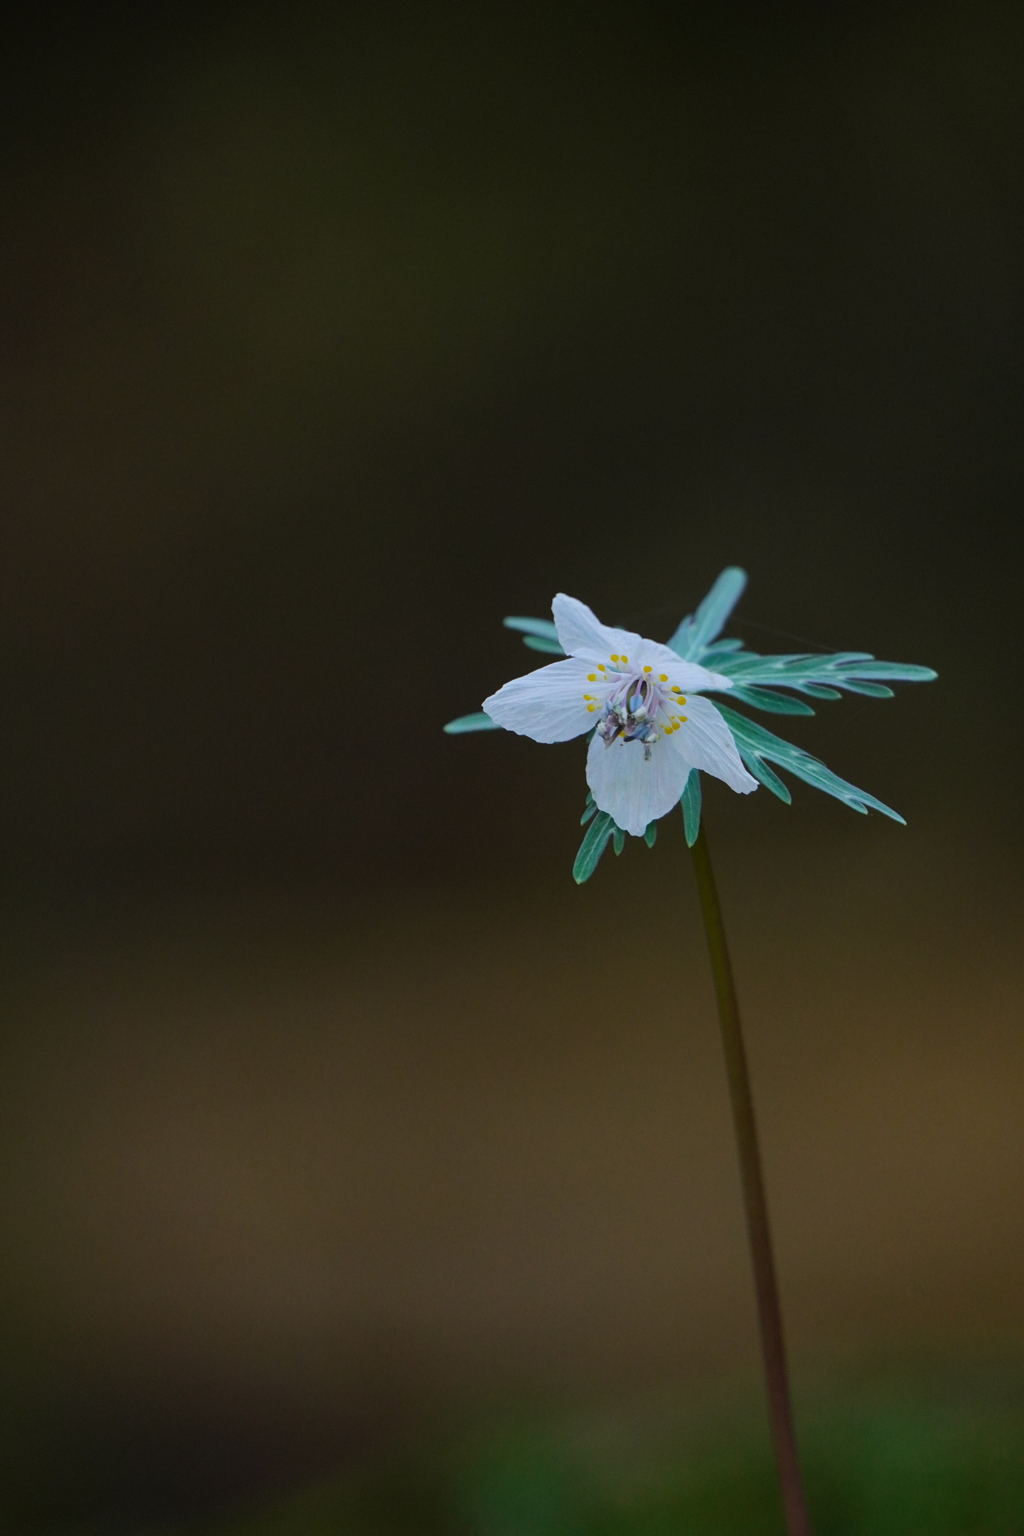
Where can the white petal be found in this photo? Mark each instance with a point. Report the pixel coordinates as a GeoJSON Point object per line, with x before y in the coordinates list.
{"type": "Point", "coordinates": [706, 742]}
{"type": "Point", "coordinates": [581, 634]}
{"type": "Point", "coordinates": [632, 791]}
{"type": "Point", "coordinates": [691, 678]}
{"type": "Point", "coordinates": [548, 704]}
{"type": "Point", "coordinates": [653, 653]}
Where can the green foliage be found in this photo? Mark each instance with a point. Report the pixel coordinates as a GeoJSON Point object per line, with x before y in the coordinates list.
{"type": "Point", "coordinates": [593, 845]}
{"type": "Point", "coordinates": [816, 676]}
{"type": "Point", "coordinates": [464, 723]}
{"type": "Point", "coordinates": [721, 648]}
{"type": "Point", "coordinates": [771, 702]}
{"type": "Point", "coordinates": [697, 631]}
{"type": "Point", "coordinates": [854, 671]}
{"type": "Point", "coordinates": [544, 629]}
{"type": "Point", "coordinates": [596, 840]}
{"type": "Point", "coordinates": [887, 1469]}
{"type": "Point", "coordinates": [898, 1464]}
{"type": "Point", "coordinates": [539, 643]}
{"type": "Point", "coordinates": [538, 634]}
{"type": "Point", "coordinates": [759, 747]}
{"type": "Point", "coordinates": [691, 807]}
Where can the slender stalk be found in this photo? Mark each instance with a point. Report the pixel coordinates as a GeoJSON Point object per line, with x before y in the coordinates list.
{"type": "Point", "coordinates": [758, 1229]}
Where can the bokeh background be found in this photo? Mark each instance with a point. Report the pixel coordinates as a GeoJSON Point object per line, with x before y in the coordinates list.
{"type": "Point", "coordinates": [333, 1116]}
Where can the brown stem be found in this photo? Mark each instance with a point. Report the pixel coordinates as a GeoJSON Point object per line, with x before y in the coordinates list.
{"type": "Point", "coordinates": [758, 1230]}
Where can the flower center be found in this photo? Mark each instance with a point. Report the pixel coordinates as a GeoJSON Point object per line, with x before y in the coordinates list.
{"type": "Point", "coordinates": [635, 704]}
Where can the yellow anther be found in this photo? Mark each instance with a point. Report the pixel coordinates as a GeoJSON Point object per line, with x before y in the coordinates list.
{"type": "Point", "coordinates": [663, 677]}
{"type": "Point", "coordinates": [588, 695]}
{"type": "Point", "coordinates": [615, 658]}
{"type": "Point", "coordinates": [623, 658]}
{"type": "Point", "coordinates": [591, 677]}
{"type": "Point", "coordinates": [683, 719]}
{"type": "Point", "coordinates": [591, 708]}
{"type": "Point", "coordinates": [677, 690]}
{"type": "Point", "coordinates": [648, 669]}
{"type": "Point", "coordinates": [681, 699]}
{"type": "Point", "coordinates": [601, 667]}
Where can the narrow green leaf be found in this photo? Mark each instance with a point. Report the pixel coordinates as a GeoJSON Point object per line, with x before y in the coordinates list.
{"type": "Point", "coordinates": [591, 810]}
{"type": "Point", "coordinates": [479, 722]}
{"type": "Point", "coordinates": [619, 840]}
{"type": "Point", "coordinates": [896, 671]}
{"type": "Point", "coordinates": [754, 739]}
{"type": "Point", "coordinates": [764, 774]}
{"type": "Point", "coordinates": [651, 835]}
{"type": "Point", "coordinates": [856, 671]}
{"type": "Point", "coordinates": [873, 690]}
{"type": "Point", "coordinates": [816, 691]}
{"type": "Point", "coordinates": [699, 629]}
{"type": "Point", "coordinates": [772, 703]}
{"type": "Point", "coordinates": [593, 845]}
{"type": "Point", "coordinates": [691, 807]}
{"type": "Point", "coordinates": [542, 643]}
{"type": "Point", "coordinates": [542, 627]}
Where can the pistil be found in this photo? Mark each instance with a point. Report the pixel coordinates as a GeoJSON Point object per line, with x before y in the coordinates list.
{"type": "Point", "coordinates": [630, 713]}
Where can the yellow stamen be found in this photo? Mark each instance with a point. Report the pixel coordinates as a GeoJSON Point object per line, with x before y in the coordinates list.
{"type": "Point", "coordinates": [613, 658]}
{"type": "Point", "coordinates": [663, 677]}
{"type": "Point", "coordinates": [683, 719]}
{"type": "Point", "coordinates": [648, 669]}
{"type": "Point", "coordinates": [591, 677]}
{"type": "Point", "coordinates": [601, 667]}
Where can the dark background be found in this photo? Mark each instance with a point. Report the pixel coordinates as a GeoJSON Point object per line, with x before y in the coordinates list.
{"type": "Point", "coordinates": [329, 336]}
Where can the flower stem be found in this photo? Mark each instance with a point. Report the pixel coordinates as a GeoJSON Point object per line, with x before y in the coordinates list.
{"type": "Point", "coordinates": [758, 1229]}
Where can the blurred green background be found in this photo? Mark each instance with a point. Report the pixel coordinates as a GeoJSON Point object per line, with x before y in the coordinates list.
{"type": "Point", "coordinates": [344, 1145]}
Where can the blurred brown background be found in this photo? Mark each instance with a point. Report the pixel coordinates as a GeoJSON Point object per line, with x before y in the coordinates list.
{"type": "Point", "coordinates": [331, 334]}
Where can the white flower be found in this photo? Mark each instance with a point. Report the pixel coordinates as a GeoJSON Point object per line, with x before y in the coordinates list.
{"type": "Point", "coordinates": [651, 725]}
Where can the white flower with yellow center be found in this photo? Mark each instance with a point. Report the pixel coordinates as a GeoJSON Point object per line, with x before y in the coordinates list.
{"type": "Point", "coordinates": [652, 726]}
{"type": "Point", "coordinates": [651, 730]}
